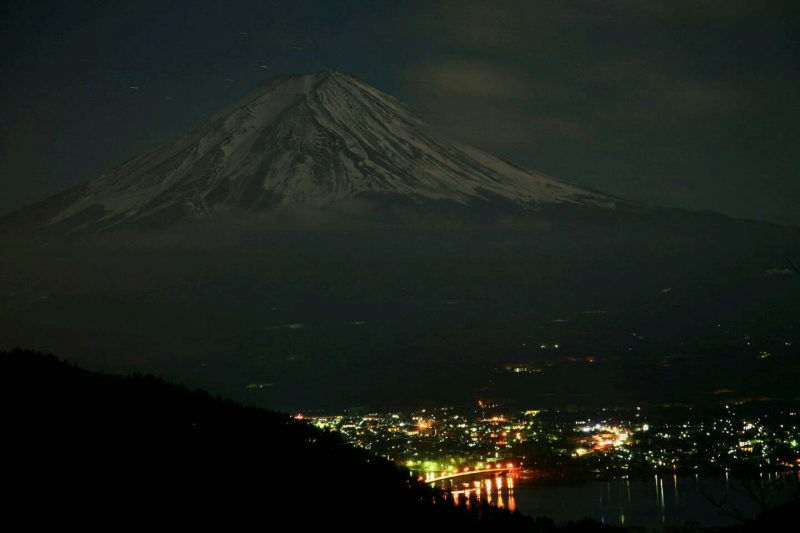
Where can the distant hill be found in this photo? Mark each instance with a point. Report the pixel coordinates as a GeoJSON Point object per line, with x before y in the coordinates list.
{"type": "Point", "coordinates": [82, 445]}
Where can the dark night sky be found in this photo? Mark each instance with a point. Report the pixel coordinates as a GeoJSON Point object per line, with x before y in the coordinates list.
{"type": "Point", "coordinates": [682, 103]}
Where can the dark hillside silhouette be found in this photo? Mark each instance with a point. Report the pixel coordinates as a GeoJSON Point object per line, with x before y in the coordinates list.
{"type": "Point", "coordinates": [86, 445]}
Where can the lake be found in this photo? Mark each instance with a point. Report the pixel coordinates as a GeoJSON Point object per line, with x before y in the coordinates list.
{"type": "Point", "coordinates": [652, 502]}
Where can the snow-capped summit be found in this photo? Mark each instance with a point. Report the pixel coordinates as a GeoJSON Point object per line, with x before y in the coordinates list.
{"type": "Point", "coordinates": [313, 140]}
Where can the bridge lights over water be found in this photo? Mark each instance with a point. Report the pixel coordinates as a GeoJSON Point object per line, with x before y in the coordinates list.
{"type": "Point", "coordinates": [492, 483]}
{"type": "Point", "coordinates": [498, 491]}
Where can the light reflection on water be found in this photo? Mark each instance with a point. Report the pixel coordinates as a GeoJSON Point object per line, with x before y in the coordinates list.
{"type": "Point", "coordinates": [498, 491]}
{"type": "Point", "coordinates": [653, 502]}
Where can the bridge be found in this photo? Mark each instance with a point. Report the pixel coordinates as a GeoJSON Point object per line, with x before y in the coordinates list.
{"type": "Point", "coordinates": [468, 473]}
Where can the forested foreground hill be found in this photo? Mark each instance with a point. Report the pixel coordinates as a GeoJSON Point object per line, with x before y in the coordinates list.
{"type": "Point", "coordinates": [128, 449]}
{"type": "Point", "coordinates": [86, 448]}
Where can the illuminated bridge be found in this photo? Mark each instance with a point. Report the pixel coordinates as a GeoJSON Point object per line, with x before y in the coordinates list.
{"type": "Point", "coordinates": [468, 473]}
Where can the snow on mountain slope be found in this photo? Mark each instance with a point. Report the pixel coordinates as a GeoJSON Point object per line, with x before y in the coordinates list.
{"type": "Point", "coordinates": [313, 140]}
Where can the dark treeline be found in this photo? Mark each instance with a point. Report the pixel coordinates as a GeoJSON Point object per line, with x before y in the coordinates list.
{"type": "Point", "coordinates": [87, 447]}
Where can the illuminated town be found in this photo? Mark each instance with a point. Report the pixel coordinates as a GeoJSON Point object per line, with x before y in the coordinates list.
{"type": "Point", "coordinates": [542, 444]}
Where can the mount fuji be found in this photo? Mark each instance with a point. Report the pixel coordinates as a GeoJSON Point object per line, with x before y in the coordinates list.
{"type": "Point", "coordinates": [312, 140]}
{"type": "Point", "coordinates": [316, 245]}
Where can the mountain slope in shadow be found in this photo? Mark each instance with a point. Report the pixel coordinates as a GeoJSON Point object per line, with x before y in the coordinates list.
{"type": "Point", "coordinates": [86, 446]}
